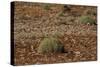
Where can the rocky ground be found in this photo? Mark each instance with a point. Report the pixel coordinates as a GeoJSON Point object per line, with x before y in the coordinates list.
{"type": "Point", "coordinates": [33, 22]}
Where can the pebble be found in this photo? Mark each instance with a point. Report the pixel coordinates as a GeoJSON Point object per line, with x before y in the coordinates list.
{"type": "Point", "coordinates": [77, 52]}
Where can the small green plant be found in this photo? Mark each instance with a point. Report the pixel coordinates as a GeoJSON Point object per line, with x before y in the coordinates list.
{"type": "Point", "coordinates": [47, 7]}
{"type": "Point", "coordinates": [50, 45]}
{"type": "Point", "coordinates": [87, 20]}
{"type": "Point", "coordinates": [61, 14]}
{"type": "Point", "coordinates": [57, 34]}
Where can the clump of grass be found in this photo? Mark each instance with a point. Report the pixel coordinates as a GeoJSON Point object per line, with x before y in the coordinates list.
{"type": "Point", "coordinates": [87, 20]}
{"type": "Point", "coordinates": [47, 7]}
{"type": "Point", "coordinates": [57, 34]}
{"type": "Point", "coordinates": [50, 45]}
{"type": "Point", "coordinates": [61, 14]}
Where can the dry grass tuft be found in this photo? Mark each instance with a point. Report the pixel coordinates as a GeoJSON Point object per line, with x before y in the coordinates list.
{"type": "Point", "coordinates": [50, 45]}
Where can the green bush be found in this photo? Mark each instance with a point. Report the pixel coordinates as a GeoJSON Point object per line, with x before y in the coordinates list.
{"type": "Point", "coordinates": [57, 34]}
{"type": "Point", "coordinates": [50, 45]}
{"type": "Point", "coordinates": [87, 20]}
{"type": "Point", "coordinates": [61, 14]}
{"type": "Point", "coordinates": [47, 7]}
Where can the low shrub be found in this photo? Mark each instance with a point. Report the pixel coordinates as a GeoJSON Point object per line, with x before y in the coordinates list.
{"type": "Point", "coordinates": [47, 7]}
{"type": "Point", "coordinates": [61, 14]}
{"type": "Point", "coordinates": [57, 34]}
{"type": "Point", "coordinates": [87, 20]}
{"type": "Point", "coordinates": [50, 45]}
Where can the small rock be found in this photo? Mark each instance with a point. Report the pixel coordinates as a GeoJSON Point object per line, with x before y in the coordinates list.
{"type": "Point", "coordinates": [66, 38]}
{"type": "Point", "coordinates": [38, 63]}
{"type": "Point", "coordinates": [77, 52]}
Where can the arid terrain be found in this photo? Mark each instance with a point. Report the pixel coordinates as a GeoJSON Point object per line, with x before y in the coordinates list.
{"type": "Point", "coordinates": [35, 21]}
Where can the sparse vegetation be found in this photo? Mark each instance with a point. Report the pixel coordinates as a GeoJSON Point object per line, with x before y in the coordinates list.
{"type": "Point", "coordinates": [47, 7]}
{"type": "Point", "coordinates": [50, 45]}
{"type": "Point", "coordinates": [87, 20]}
{"type": "Point", "coordinates": [41, 31]}
{"type": "Point", "coordinates": [61, 14]}
{"type": "Point", "coordinates": [57, 34]}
